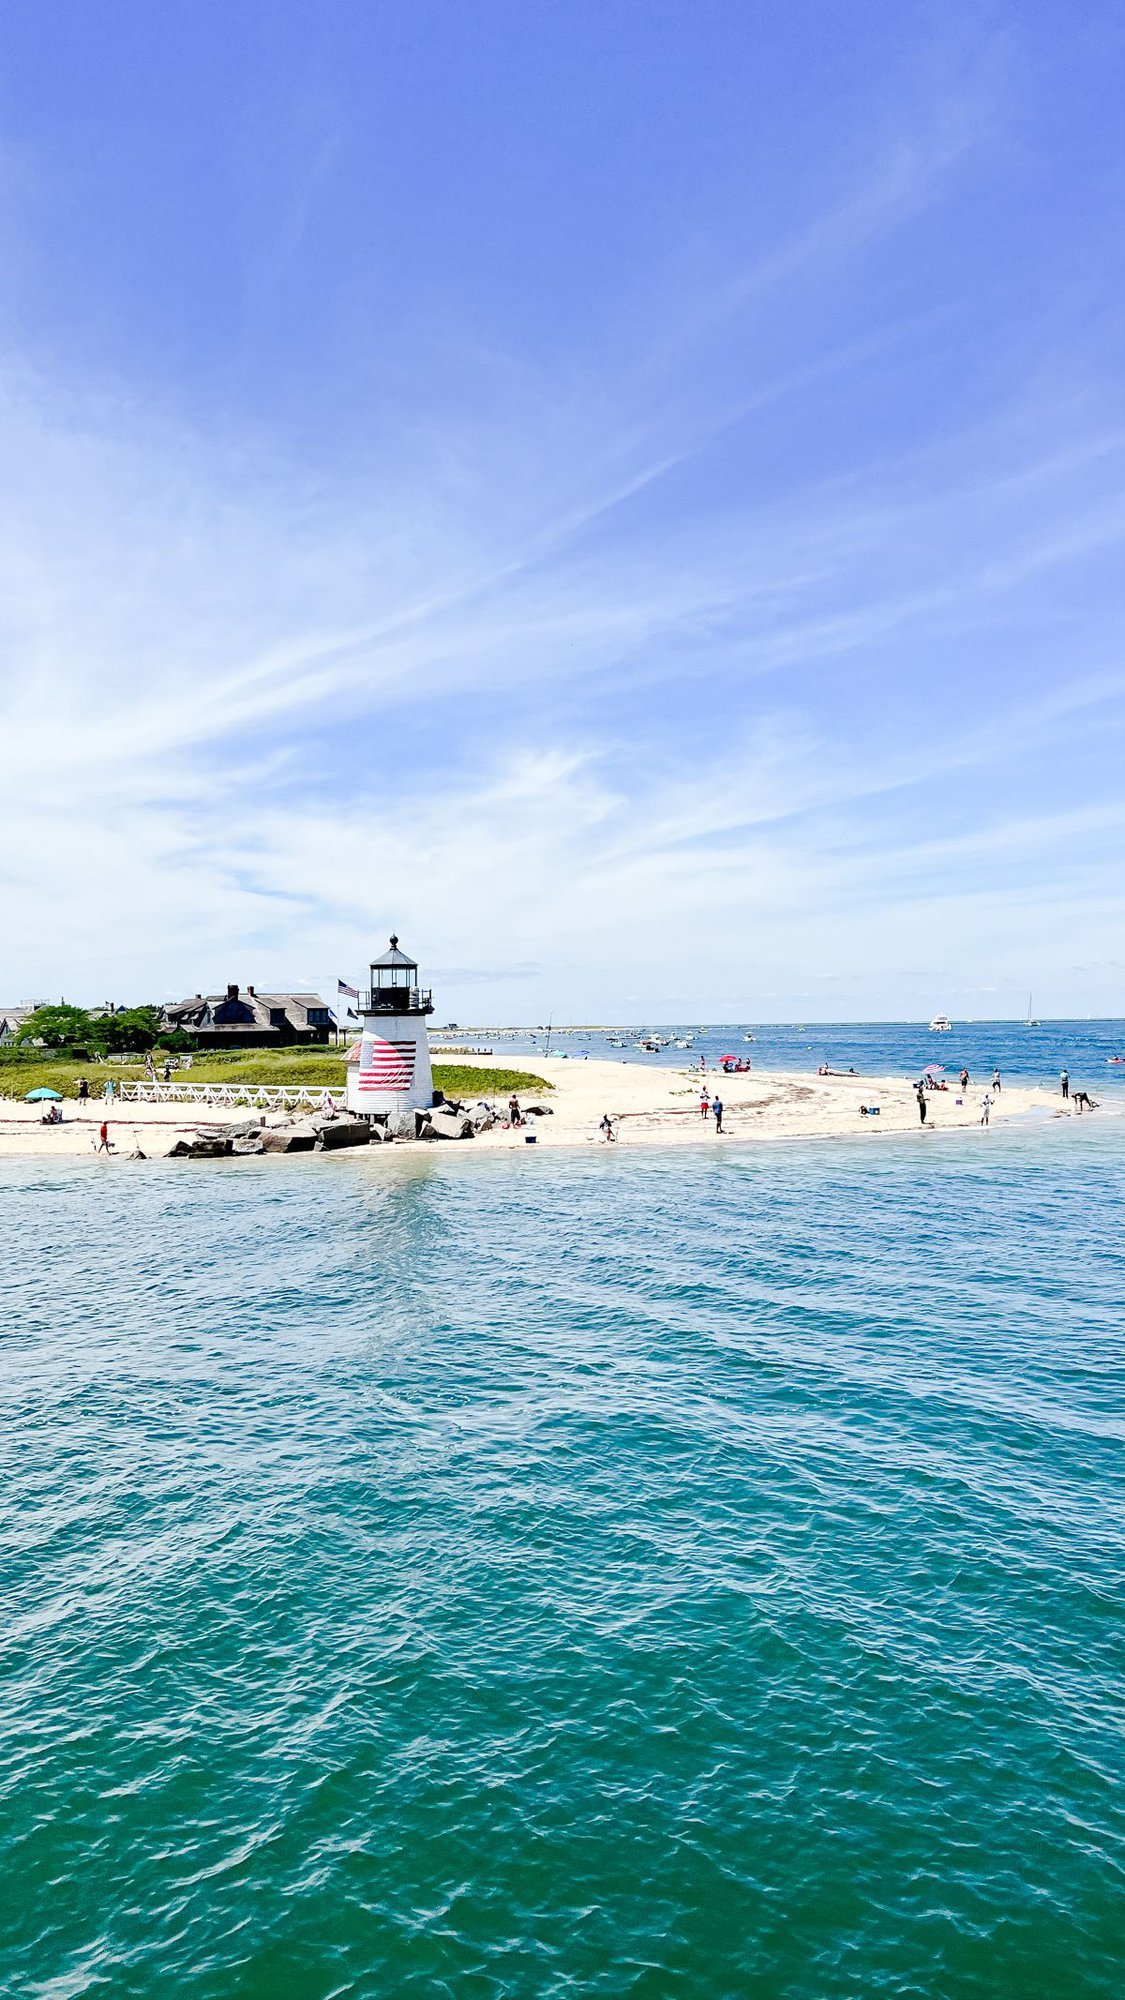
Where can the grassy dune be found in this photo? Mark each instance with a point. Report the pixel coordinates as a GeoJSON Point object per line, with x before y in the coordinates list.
{"type": "Point", "coordinates": [315, 1068]}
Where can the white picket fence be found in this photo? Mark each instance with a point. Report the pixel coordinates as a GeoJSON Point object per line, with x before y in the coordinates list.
{"type": "Point", "coordinates": [263, 1095]}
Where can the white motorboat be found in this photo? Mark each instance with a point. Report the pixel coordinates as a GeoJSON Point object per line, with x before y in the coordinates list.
{"type": "Point", "coordinates": [941, 1025]}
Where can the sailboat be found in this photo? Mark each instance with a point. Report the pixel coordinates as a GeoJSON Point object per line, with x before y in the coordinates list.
{"type": "Point", "coordinates": [1029, 1023]}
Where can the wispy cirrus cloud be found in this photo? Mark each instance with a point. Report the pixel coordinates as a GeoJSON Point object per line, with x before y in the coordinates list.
{"type": "Point", "coordinates": [617, 664]}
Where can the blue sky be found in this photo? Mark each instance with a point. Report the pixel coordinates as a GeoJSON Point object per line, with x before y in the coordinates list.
{"type": "Point", "coordinates": [629, 495]}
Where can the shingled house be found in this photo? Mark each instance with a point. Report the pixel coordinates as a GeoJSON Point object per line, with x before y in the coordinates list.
{"type": "Point", "coordinates": [11, 1021]}
{"type": "Point", "coordinates": [251, 1020]}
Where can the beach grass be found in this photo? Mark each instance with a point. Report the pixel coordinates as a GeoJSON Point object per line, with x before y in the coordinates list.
{"type": "Point", "coordinates": [315, 1069]}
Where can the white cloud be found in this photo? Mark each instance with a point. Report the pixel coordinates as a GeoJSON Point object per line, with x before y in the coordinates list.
{"type": "Point", "coordinates": [731, 745]}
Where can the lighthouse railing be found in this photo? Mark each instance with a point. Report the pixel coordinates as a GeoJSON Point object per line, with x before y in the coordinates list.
{"type": "Point", "coordinates": [397, 1000]}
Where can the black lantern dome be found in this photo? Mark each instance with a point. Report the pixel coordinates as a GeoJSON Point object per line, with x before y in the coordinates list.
{"type": "Point", "coordinates": [394, 985]}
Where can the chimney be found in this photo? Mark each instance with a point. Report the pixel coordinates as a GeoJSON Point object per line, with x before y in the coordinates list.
{"type": "Point", "coordinates": [232, 993]}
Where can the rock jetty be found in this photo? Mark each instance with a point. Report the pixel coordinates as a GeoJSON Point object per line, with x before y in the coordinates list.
{"type": "Point", "coordinates": [331, 1132]}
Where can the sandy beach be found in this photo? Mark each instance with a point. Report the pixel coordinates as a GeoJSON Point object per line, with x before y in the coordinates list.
{"type": "Point", "coordinates": [650, 1107]}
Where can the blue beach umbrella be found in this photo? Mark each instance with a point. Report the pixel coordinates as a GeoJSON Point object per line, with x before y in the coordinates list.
{"type": "Point", "coordinates": [37, 1096]}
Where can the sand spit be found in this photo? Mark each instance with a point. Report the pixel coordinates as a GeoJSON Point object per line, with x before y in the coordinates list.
{"type": "Point", "coordinates": [649, 1106]}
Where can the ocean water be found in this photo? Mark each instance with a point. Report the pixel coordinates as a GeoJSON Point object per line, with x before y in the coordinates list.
{"type": "Point", "coordinates": [539, 1576]}
{"type": "Point", "coordinates": [1088, 1049]}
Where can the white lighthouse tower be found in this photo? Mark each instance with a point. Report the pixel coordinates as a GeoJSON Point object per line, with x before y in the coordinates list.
{"type": "Point", "coordinates": [393, 1072]}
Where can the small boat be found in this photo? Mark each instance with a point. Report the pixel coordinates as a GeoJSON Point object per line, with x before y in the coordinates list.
{"type": "Point", "coordinates": [747, 1038]}
{"type": "Point", "coordinates": [941, 1025]}
{"type": "Point", "coordinates": [1029, 1023]}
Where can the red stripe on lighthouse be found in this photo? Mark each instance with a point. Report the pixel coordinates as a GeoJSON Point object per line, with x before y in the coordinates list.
{"type": "Point", "coordinates": [386, 1065]}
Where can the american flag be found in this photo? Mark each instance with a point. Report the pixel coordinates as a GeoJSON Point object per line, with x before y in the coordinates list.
{"type": "Point", "coordinates": [385, 1065]}
{"type": "Point", "coordinates": [351, 991]}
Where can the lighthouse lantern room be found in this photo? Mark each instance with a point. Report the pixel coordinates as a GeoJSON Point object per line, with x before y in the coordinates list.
{"type": "Point", "coordinates": [393, 1071]}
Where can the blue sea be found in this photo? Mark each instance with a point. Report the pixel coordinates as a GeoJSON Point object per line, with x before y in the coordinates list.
{"type": "Point", "coordinates": [539, 1575]}
{"type": "Point", "coordinates": [897, 1048]}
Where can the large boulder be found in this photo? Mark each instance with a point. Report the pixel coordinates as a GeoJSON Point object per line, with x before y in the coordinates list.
{"type": "Point", "coordinates": [402, 1124]}
{"type": "Point", "coordinates": [484, 1118]}
{"type": "Point", "coordinates": [201, 1148]}
{"type": "Point", "coordinates": [288, 1139]}
{"type": "Point", "coordinates": [250, 1143]}
{"type": "Point", "coordinates": [338, 1132]}
{"type": "Point", "coordinates": [450, 1124]}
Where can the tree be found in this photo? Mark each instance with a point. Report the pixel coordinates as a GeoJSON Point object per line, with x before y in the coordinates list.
{"type": "Point", "coordinates": [59, 1027]}
{"type": "Point", "coordinates": [131, 1030]}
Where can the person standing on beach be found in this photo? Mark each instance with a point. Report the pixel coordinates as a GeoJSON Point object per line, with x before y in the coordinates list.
{"type": "Point", "coordinates": [985, 1108]}
{"type": "Point", "coordinates": [1064, 1079]}
{"type": "Point", "coordinates": [606, 1128]}
{"type": "Point", "coordinates": [920, 1094]}
{"type": "Point", "coordinates": [83, 1090]}
{"type": "Point", "coordinates": [996, 1081]}
{"type": "Point", "coordinates": [705, 1106]}
{"type": "Point", "coordinates": [717, 1108]}
{"type": "Point", "coordinates": [964, 1079]}
{"type": "Point", "coordinates": [103, 1137]}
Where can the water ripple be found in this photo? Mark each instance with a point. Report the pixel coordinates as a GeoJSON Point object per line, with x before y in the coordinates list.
{"type": "Point", "coordinates": [564, 1577]}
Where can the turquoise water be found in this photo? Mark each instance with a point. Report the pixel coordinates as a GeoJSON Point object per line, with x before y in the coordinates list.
{"type": "Point", "coordinates": [554, 1576]}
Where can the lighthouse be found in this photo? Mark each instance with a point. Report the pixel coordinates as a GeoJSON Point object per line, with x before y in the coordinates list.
{"type": "Point", "coordinates": [393, 1072]}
